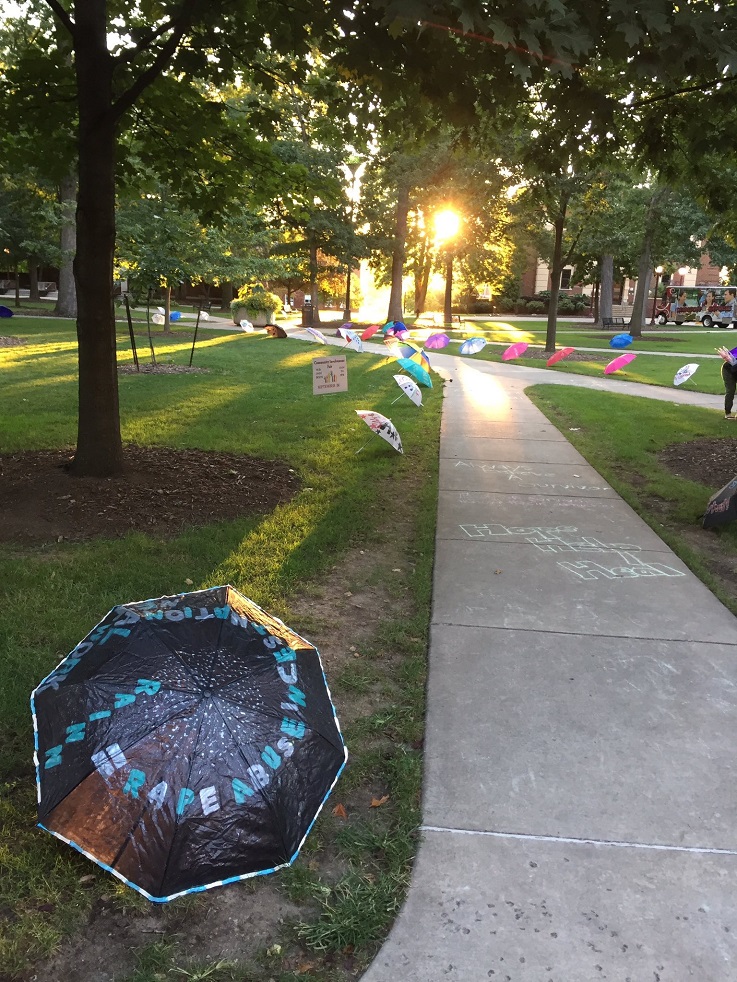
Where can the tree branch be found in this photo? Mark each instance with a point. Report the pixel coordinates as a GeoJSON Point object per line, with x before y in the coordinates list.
{"type": "Point", "coordinates": [180, 24]}
{"type": "Point", "coordinates": [684, 91]}
{"type": "Point", "coordinates": [63, 16]}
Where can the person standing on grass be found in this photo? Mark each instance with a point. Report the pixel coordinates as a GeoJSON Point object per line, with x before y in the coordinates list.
{"type": "Point", "coordinates": [729, 377]}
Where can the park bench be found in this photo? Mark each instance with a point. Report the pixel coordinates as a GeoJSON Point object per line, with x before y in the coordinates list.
{"type": "Point", "coordinates": [200, 303]}
{"type": "Point", "coordinates": [611, 322]}
{"type": "Point", "coordinates": [45, 288]}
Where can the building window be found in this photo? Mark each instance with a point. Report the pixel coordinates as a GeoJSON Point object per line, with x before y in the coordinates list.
{"type": "Point", "coordinates": [565, 279]}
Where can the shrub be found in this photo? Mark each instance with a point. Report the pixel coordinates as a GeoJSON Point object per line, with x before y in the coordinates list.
{"type": "Point", "coordinates": [535, 307]}
{"type": "Point", "coordinates": [520, 306]}
{"type": "Point", "coordinates": [565, 305]}
{"type": "Point", "coordinates": [252, 301]}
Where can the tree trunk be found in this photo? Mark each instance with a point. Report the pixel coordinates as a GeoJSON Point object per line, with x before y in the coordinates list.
{"type": "Point", "coordinates": [645, 269]}
{"type": "Point", "coordinates": [422, 277]}
{"type": "Point", "coordinates": [595, 301]}
{"type": "Point", "coordinates": [314, 297]}
{"type": "Point", "coordinates": [66, 300]}
{"type": "Point", "coordinates": [555, 272]}
{"type": "Point", "coordinates": [399, 249]}
{"type": "Point", "coordinates": [227, 295]}
{"type": "Point", "coordinates": [607, 286]}
{"type": "Point", "coordinates": [167, 309]}
{"type": "Point", "coordinates": [17, 287]}
{"type": "Point", "coordinates": [448, 304]}
{"type": "Point", "coordinates": [33, 293]}
{"type": "Point", "coordinates": [99, 450]}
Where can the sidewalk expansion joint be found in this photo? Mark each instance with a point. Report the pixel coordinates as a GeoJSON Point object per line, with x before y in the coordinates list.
{"type": "Point", "coordinates": [567, 840]}
{"type": "Point", "coordinates": [581, 634]}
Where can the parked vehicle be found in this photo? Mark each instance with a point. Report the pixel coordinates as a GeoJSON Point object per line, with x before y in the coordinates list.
{"type": "Point", "coordinates": [708, 305]}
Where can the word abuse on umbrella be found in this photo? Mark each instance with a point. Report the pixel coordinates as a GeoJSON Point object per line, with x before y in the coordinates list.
{"type": "Point", "coordinates": [112, 758]}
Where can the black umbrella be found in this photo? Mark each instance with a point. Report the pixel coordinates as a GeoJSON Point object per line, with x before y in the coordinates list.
{"type": "Point", "coordinates": [722, 507]}
{"type": "Point", "coordinates": [186, 742]}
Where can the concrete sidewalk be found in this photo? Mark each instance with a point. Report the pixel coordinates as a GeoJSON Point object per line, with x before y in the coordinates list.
{"type": "Point", "coordinates": [579, 796]}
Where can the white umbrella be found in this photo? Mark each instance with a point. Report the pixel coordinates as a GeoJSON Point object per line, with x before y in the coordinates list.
{"type": "Point", "coordinates": [410, 388]}
{"type": "Point", "coordinates": [353, 338]}
{"type": "Point", "coordinates": [382, 427]}
{"type": "Point", "coordinates": [685, 373]}
{"type": "Point", "coordinates": [317, 335]}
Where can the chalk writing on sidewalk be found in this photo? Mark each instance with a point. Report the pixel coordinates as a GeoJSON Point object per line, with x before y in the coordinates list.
{"type": "Point", "coordinates": [519, 472]}
{"type": "Point", "coordinates": [515, 473]}
{"type": "Point", "coordinates": [624, 564]}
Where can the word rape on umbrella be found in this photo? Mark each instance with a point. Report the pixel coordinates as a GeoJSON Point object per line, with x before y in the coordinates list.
{"type": "Point", "coordinates": [186, 742]}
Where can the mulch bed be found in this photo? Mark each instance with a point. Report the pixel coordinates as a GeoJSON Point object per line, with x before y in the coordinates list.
{"type": "Point", "coordinates": [163, 492]}
{"type": "Point", "coordinates": [11, 342]}
{"type": "Point", "coordinates": [708, 461]}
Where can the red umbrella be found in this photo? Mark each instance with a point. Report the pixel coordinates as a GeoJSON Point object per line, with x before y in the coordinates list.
{"type": "Point", "coordinates": [369, 332]}
{"type": "Point", "coordinates": [619, 362]}
{"type": "Point", "coordinates": [563, 353]}
{"type": "Point", "coordinates": [515, 350]}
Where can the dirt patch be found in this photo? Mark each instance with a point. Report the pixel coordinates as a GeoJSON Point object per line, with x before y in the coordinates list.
{"type": "Point", "coordinates": [539, 354]}
{"type": "Point", "coordinates": [162, 492]}
{"type": "Point", "coordinates": [11, 342]}
{"type": "Point", "coordinates": [712, 462]}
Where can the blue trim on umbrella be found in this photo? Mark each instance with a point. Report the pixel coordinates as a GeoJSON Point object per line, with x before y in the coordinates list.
{"type": "Point", "coordinates": [216, 883]}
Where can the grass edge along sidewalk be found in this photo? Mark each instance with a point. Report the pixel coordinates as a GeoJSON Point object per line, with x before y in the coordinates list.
{"type": "Point", "coordinates": [45, 889]}
{"type": "Point", "coordinates": [621, 436]}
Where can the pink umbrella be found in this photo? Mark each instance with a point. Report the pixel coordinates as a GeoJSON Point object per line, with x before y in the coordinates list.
{"type": "Point", "coordinates": [563, 353]}
{"type": "Point", "coordinates": [369, 332]}
{"type": "Point", "coordinates": [515, 350]}
{"type": "Point", "coordinates": [437, 341]}
{"type": "Point", "coordinates": [402, 333]}
{"type": "Point", "coordinates": [620, 362]}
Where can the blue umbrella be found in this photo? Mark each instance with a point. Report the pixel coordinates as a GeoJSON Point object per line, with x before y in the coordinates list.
{"type": "Point", "coordinates": [417, 371]}
{"type": "Point", "coordinates": [621, 341]}
{"type": "Point", "coordinates": [6, 312]}
{"type": "Point", "coordinates": [472, 346]}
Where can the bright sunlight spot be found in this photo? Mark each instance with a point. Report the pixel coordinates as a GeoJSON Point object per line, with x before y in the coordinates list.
{"type": "Point", "coordinates": [447, 223]}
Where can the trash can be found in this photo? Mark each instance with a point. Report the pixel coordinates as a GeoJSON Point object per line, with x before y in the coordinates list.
{"type": "Point", "coordinates": [307, 314]}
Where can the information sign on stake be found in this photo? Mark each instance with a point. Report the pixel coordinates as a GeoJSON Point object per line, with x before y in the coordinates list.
{"type": "Point", "coordinates": [329, 375]}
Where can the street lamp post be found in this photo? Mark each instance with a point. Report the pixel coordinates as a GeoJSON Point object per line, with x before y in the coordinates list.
{"type": "Point", "coordinates": [658, 272]}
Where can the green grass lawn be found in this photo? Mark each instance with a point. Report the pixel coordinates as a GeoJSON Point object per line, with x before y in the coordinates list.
{"type": "Point", "coordinates": [254, 398]}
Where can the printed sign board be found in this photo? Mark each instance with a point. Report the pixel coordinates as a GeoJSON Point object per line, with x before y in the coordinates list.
{"type": "Point", "coordinates": [329, 375]}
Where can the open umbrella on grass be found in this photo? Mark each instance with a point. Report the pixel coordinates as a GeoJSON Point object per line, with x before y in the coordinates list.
{"type": "Point", "coordinates": [381, 426]}
{"type": "Point", "coordinates": [685, 373]}
{"type": "Point", "coordinates": [409, 388]}
{"type": "Point", "coordinates": [317, 335]}
{"type": "Point", "coordinates": [515, 351]}
{"type": "Point", "coordinates": [436, 341]}
{"type": "Point", "coordinates": [559, 355]}
{"type": "Point", "coordinates": [353, 338]}
{"type": "Point", "coordinates": [472, 346]}
{"type": "Point", "coordinates": [369, 332]}
{"type": "Point", "coordinates": [722, 507]}
{"type": "Point", "coordinates": [187, 742]}
{"type": "Point", "coordinates": [620, 362]}
{"type": "Point", "coordinates": [621, 341]}
{"type": "Point", "coordinates": [416, 371]}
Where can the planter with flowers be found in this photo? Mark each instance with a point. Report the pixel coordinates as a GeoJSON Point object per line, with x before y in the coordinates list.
{"type": "Point", "coordinates": [256, 305]}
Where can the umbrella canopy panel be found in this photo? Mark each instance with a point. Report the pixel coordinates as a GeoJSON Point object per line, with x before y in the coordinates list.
{"type": "Point", "coordinates": [187, 741]}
